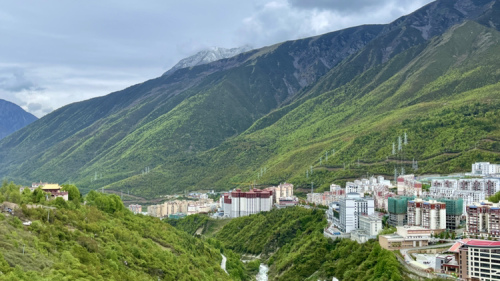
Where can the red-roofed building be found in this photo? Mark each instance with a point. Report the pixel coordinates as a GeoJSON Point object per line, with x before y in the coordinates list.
{"type": "Point", "coordinates": [239, 203]}
{"type": "Point", "coordinates": [407, 185]}
{"type": "Point", "coordinates": [475, 260]}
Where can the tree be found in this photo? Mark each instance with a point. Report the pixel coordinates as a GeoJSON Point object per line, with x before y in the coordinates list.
{"type": "Point", "coordinates": [61, 203]}
{"type": "Point", "coordinates": [73, 192]}
{"type": "Point", "coordinates": [38, 195]}
{"type": "Point", "coordinates": [107, 203]}
{"type": "Point", "coordinates": [4, 266]}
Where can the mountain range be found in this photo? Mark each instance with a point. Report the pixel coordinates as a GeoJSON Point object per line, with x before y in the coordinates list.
{"type": "Point", "coordinates": [13, 118]}
{"type": "Point", "coordinates": [332, 104]}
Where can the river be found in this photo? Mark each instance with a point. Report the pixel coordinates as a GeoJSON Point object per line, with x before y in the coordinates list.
{"type": "Point", "coordinates": [223, 262]}
{"type": "Point", "coordinates": [262, 275]}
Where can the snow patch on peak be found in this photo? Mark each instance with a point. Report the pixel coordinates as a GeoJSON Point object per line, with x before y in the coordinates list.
{"type": "Point", "coordinates": [207, 56]}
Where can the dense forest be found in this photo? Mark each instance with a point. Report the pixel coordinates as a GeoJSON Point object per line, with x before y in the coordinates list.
{"type": "Point", "coordinates": [96, 238]}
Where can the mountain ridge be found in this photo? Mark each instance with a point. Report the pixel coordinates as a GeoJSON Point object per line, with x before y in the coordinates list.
{"type": "Point", "coordinates": [279, 107]}
{"type": "Point", "coordinates": [13, 118]}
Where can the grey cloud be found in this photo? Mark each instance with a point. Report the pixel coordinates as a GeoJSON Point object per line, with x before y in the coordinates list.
{"type": "Point", "coordinates": [351, 6]}
{"type": "Point", "coordinates": [34, 107]}
{"type": "Point", "coordinates": [16, 81]}
{"type": "Point", "coordinates": [335, 5]}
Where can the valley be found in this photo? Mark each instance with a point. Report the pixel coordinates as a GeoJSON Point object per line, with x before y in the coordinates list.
{"type": "Point", "coordinates": [343, 156]}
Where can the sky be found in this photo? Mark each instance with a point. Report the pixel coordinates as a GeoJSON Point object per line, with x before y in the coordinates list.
{"type": "Point", "coordinates": [53, 53]}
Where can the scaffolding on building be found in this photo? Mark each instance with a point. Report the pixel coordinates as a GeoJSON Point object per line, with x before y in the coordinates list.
{"type": "Point", "coordinates": [398, 207]}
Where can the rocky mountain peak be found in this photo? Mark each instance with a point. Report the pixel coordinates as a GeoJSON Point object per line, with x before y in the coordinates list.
{"type": "Point", "coordinates": [207, 56]}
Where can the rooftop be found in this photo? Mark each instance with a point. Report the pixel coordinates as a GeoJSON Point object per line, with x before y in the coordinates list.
{"type": "Point", "coordinates": [50, 186]}
{"type": "Point", "coordinates": [483, 243]}
{"type": "Point", "coordinates": [473, 242]}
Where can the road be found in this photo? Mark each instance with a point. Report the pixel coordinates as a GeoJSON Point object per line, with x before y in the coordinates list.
{"type": "Point", "coordinates": [408, 259]}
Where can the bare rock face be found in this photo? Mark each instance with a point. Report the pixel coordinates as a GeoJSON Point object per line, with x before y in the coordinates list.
{"type": "Point", "coordinates": [432, 20]}
{"type": "Point", "coordinates": [13, 118]}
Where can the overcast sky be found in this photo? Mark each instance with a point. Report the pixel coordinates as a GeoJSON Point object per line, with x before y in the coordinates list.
{"type": "Point", "coordinates": [53, 53]}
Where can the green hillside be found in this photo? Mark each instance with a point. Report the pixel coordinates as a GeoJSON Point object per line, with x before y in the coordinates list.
{"type": "Point", "coordinates": [444, 95]}
{"type": "Point", "coordinates": [176, 116]}
{"type": "Point", "coordinates": [97, 241]}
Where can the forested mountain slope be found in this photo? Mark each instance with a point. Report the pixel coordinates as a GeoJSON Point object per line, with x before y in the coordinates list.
{"type": "Point", "coordinates": [444, 95]}
{"type": "Point", "coordinates": [176, 115]}
{"type": "Point", "coordinates": [432, 74]}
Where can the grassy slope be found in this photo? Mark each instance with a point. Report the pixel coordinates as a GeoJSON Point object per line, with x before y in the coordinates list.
{"type": "Point", "coordinates": [444, 94]}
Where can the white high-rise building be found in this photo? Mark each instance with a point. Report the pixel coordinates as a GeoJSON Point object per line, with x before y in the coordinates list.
{"type": "Point", "coordinates": [351, 208]}
{"type": "Point", "coordinates": [427, 214]}
{"type": "Point", "coordinates": [284, 190]}
{"type": "Point", "coordinates": [239, 204]}
{"type": "Point", "coordinates": [485, 169]}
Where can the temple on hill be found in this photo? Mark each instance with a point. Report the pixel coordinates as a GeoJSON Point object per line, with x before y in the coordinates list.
{"type": "Point", "coordinates": [53, 188]}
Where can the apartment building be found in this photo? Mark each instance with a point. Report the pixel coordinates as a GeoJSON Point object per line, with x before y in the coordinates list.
{"type": "Point", "coordinates": [283, 190]}
{"type": "Point", "coordinates": [135, 208]}
{"type": "Point", "coordinates": [398, 209]}
{"type": "Point", "coordinates": [407, 185]}
{"type": "Point", "coordinates": [469, 190]}
{"type": "Point", "coordinates": [381, 196]}
{"type": "Point", "coordinates": [334, 187]}
{"type": "Point", "coordinates": [326, 197]}
{"type": "Point", "coordinates": [485, 169]}
{"type": "Point", "coordinates": [351, 208]}
{"type": "Point", "coordinates": [366, 185]}
{"type": "Point", "coordinates": [429, 214]}
{"type": "Point", "coordinates": [483, 219]}
{"type": "Point", "coordinates": [238, 203]}
{"type": "Point", "coordinates": [171, 207]}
